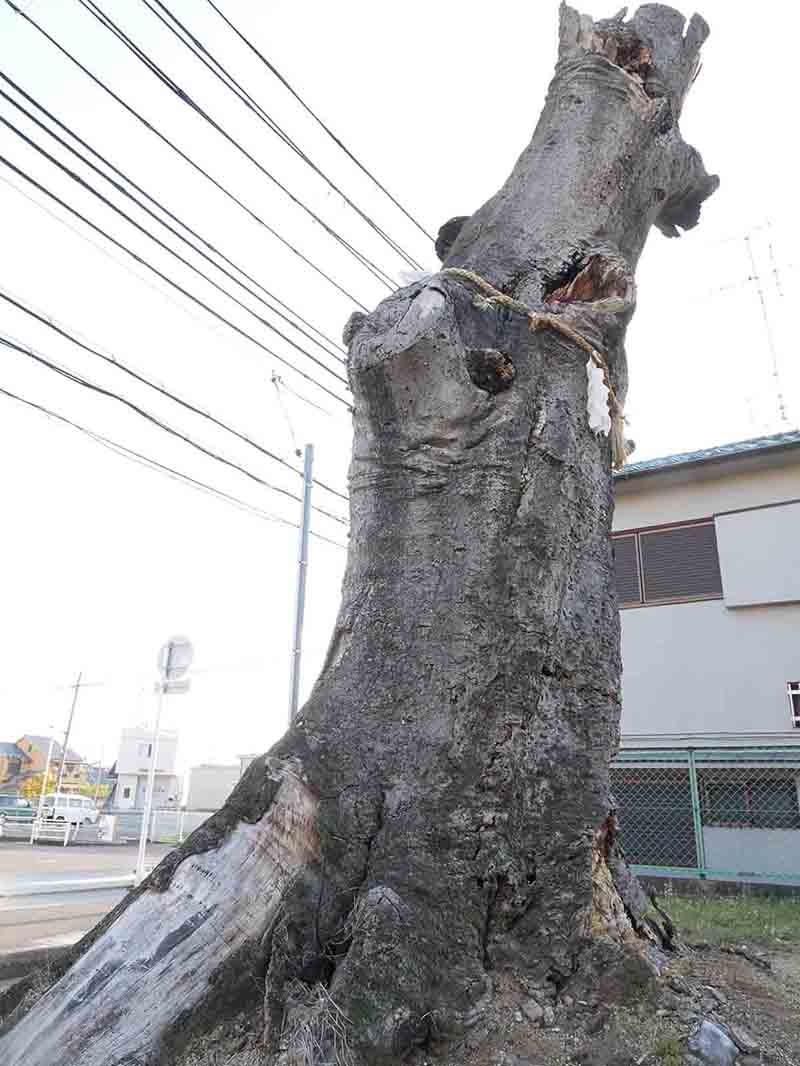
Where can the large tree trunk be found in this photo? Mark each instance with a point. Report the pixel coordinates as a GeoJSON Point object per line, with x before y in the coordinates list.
{"type": "Point", "coordinates": [440, 810]}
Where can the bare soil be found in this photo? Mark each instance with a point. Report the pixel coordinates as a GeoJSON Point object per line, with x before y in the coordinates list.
{"type": "Point", "coordinates": [766, 1003]}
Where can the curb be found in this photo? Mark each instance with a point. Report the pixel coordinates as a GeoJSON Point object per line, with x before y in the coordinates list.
{"type": "Point", "coordinates": [16, 964]}
{"type": "Point", "coordinates": [84, 884]}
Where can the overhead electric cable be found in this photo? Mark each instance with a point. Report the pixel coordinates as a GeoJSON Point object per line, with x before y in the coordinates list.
{"type": "Point", "coordinates": [154, 420]}
{"type": "Point", "coordinates": [171, 251]}
{"type": "Point", "coordinates": [196, 166]}
{"type": "Point", "coordinates": [199, 50]}
{"type": "Point", "coordinates": [157, 203]}
{"type": "Point", "coordinates": [168, 470]}
{"type": "Point", "coordinates": [195, 299]}
{"type": "Point", "coordinates": [105, 20]}
{"type": "Point", "coordinates": [271, 67]}
{"type": "Point", "coordinates": [114, 361]}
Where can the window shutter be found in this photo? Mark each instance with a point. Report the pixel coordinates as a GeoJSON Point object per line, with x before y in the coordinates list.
{"type": "Point", "coordinates": [626, 567]}
{"type": "Point", "coordinates": [681, 563]}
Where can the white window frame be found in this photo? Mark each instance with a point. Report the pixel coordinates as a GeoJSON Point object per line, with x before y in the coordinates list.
{"type": "Point", "coordinates": [792, 690]}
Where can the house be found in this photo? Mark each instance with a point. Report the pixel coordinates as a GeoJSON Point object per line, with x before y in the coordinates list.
{"type": "Point", "coordinates": [12, 762]}
{"type": "Point", "coordinates": [132, 767]}
{"type": "Point", "coordinates": [210, 784]}
{"type": "Point", "coordinates": [707, 557]}
{"type": "Point", "coordinates": [36, 748]}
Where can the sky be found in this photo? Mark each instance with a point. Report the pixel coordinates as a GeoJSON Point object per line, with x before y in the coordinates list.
{"type": "Point", "coordinates": [102, 557]}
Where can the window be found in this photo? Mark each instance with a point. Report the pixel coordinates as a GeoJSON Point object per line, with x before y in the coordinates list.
{"type": "Point", "coordinates": [667, 565]}
{"type": "Point", "coordinates": [49, 801]}
{"type": "Point", "coordinates": [793, 692]}
{"type": "Point", "coordinates": [74, 801]}
{"type": "Point", "coordinates": [126, 793]}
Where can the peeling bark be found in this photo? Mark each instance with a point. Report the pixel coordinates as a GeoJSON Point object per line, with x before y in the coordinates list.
{"type": "Point", "coordinates": [441, 807]}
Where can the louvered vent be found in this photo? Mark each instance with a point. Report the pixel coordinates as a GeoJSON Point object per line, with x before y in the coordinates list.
{"type": "Point", "coordinates": [681, 563]}
{"type": "Point", "coordinates": [626, 566]}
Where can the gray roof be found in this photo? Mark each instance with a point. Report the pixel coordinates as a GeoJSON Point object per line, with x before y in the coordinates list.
{"type": "Point", "coordinates": [11, 749]}
{"type": "Point", "coordinates": [775, 442]}
{"type": "Point", "coordinates": [43, 743]}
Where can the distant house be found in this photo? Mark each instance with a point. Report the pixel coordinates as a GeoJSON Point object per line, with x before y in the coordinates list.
{"type": "Point", "coordinates": [133, 766]}
{"type": "Point", "coordinates": [36, 747]}
{"type": "Point", "coordinates": [12, 762]}
{"type": "Point", "coordinates": [210, 785]}
{"type": "Point", "coordinates": [707, 556]}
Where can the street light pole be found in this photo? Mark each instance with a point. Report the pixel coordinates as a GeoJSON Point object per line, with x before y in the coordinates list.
{"type": "Point", "coordinates": [174, 660]}
{"type": "Point", "coordinates": [151, 780]}
{"type": "Point", "coordinates": [302, 570]}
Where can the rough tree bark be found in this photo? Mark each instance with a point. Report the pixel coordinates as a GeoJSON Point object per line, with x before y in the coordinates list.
{"type": "Point", "coordinates": [440, 810]}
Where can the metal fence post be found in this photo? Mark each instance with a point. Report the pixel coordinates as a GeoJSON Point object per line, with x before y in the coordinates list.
{"type": "Point", "coordinates": [697, 818]}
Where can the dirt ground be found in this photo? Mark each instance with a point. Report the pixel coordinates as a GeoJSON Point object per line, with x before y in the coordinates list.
{"type": "Point", "coordinates": [763, 1004]}
{"type": "Point", "coordinates": [758, 1000]}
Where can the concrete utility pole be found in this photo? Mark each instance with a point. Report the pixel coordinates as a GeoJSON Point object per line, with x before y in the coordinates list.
{"type": "Point", "coordinates": [76, 687]}
{"type": "Point", "coordinates": [302, 569]}
{"type": "Point", "coordinates": [38, 819]}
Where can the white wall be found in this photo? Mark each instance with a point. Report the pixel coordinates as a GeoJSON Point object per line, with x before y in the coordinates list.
{"type": "Point", "coordinates": [210, 786]}
{"type": "Point", "coordinates": [133, 751]}
{"type": "Point", "coordinates": [759, 555]}
{"type": "Point", "coordinates": [700, 669]}
{"type": "Point", "coordinates": [125, 781]}
{"type": "Point", "coordinates": [753, 851]}
{"type": "Point", "coordinates": [705, 490]}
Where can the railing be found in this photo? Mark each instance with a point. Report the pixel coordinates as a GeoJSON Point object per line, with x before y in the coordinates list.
{"type": "Point", "coordinates": [722, 813]}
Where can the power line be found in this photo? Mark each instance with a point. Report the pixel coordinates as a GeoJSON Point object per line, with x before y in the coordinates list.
{"type": "Point", "coordinates": [187, 159]}
{"type": "Point", "coordinates": [170, 281]}
{"type": "Point", "coordinates": [199, 50]}
{"type": "Point", "coordinates": [143, 229]}
{"type": "Point", "coordinates": [108, 23]}
{"type": "Point", "coordinates": [318, 120]}
{"type": "Point", "coordinates": [108, 253]}
{"type": "Point", "coordinates": [121, 449]}
{"type": "Point", "coordinates": [153, 420]}
{"type": "Point", "coordinates": [153, 200]}
{"type": "Point", "coordinates": [112, 360]}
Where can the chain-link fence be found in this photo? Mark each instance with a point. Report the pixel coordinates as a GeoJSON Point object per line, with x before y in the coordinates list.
{"type": "Point", "coordinates": [732, 814]}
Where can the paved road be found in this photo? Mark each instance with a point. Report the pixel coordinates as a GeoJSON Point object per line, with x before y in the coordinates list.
{"type": "Point", "coordinates": [52, 920]}
{"type": "Point", "coordinates": [55, 918]}
{"type": "Point", "coordinates": [21, 862]}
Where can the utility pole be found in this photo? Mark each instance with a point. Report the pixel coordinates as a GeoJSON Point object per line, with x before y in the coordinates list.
{"type": "Point", "coordinates": [36, 824]}
{"type": "Point", "coordinates": [302, 569]}
{"type": "Point", "coordinates": [76, 687]}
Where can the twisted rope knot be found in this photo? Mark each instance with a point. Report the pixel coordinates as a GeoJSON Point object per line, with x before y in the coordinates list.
{"type": "Point", "coordinates": [538, 320]}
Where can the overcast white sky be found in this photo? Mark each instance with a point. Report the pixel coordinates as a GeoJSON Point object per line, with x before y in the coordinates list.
{"type": "Point", "coordinates": [103, 559]}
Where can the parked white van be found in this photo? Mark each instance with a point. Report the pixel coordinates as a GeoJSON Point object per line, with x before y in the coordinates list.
{"type": "Point", "coordinates": [61, 807]}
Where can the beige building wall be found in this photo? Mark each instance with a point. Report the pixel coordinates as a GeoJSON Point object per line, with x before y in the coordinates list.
{"type": "Point", "coordinates": [705, 490]}
{"type": "Point", "coordinates": [715, 671]}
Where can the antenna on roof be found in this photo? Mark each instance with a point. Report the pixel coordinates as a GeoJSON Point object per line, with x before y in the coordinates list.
{"type": "Point", "coordinates": [770, 339]}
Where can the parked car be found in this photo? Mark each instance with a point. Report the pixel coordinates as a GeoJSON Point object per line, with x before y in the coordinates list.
{"type": "Point", "coordinates": [16, 807]}
{"type": "Point", "coordinates": [59, 807]}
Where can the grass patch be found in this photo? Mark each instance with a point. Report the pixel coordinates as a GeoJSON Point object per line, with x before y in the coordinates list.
{"type": "Point", "coordinates": [669, 1051]}
{"type": "Point", "coordinates": [755, 920]}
